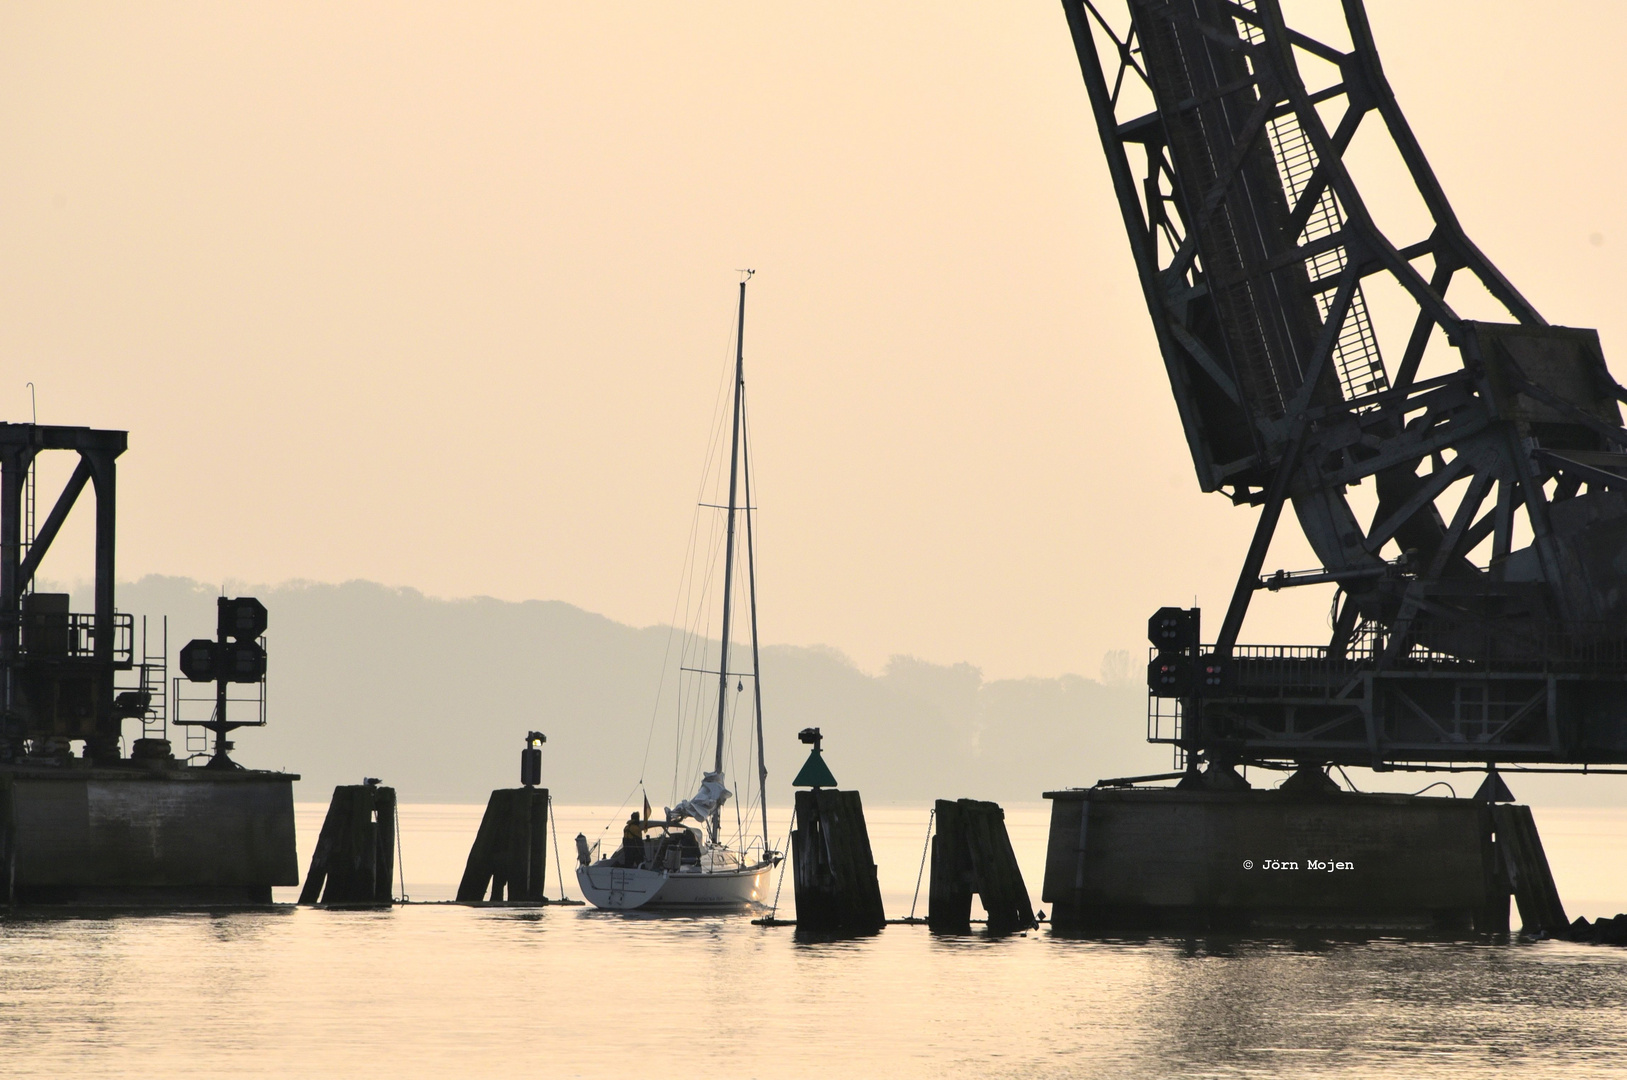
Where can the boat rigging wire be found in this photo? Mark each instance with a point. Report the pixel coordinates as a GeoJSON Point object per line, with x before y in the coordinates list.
{"type": "Point", "coordinates": [694, 641]}
{"type": "Point", "coordinates": [739, 822]}
{"type": "Point", "coordinates": [686, 579]}
{"type": "Point", "coordinates": [751, 570]}
{"type": "Point", "coordinates": [617, 815]}
{"type": "Point", "coordinates": [666, 652]}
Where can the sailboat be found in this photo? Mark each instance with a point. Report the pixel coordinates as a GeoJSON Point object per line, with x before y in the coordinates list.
{"type": "Point", "coordinates": [682, 860]}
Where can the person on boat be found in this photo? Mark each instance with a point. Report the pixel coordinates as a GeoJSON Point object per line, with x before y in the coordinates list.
{"type": "Point", "coordinates": [632, 841]}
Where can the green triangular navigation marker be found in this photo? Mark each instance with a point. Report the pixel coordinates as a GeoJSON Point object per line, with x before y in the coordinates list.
{"type": "Point", "coordinates": [815, 773]}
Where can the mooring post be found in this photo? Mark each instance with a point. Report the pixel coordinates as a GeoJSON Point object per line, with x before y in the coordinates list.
{"type": "Point", "coordinates": [501, 806]}
{"type": "Point", "coordinates": [1526, 865]}
{"type": "Point", "coordinates": [998, 877]}
{"type": "Point", "coordinates": [384, 828]}
{"type": "Point", "coordinates": [536, 887]}
{"type": "Point", "coordinates": [834, 872]}
{"type": "Point", "coordinates": [510, 852]}
{"type": "Point", "coordinates": [949, 902]}
{"type": "Point", "coordinates": [972, 853]}
{"type": "Point", "coordinates": [326, 842]}
{"type": "Point", "coordinates": [354, 860]}
{"type": "Point", "coordinates": [477, 872]}
{"type": "Point", "coordinates": [527, 853]}
{"type": "Point", "coordinates": [358, 878]}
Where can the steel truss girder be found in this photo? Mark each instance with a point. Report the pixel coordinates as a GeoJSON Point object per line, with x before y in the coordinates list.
{"type": "Point", "coordinates": [1372, 719]}
{"type": "Point", "coordinates": [1252, 244]}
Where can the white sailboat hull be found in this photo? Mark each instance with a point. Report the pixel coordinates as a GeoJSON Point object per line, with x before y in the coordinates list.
{"type": "Point", "coordinates": [619, 888]}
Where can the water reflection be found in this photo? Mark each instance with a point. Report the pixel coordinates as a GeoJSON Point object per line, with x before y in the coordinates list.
{"type": "Point", "coordinates": [458, 991]}
{"type": "Point", "coordinates": [440, 990]}
{"type": "Point", "coordinates": [1358, 1007]}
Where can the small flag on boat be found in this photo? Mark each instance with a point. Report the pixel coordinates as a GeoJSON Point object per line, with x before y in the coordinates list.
{"type": "Point", "coordinates": [646, 806]}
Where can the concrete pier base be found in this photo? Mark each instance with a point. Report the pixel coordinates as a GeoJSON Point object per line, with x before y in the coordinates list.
{"type": "Point", "coordinates": [134, 837]}
{"type": "Point", "coordinates": [1163, 859]}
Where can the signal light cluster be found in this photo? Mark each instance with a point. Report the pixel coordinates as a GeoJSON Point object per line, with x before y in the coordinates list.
{"type": "Point", "coordinates": [1173, 672]}
{"type": "Point", "coordinates": [236, 655]}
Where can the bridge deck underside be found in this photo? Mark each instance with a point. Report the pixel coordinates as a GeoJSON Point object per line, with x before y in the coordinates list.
{"type": "Point", "coordinates": [1351, 712]}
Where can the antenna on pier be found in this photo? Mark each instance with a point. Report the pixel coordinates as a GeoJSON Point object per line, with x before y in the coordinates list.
{"type": "Point", "coordinates": [29, 486]}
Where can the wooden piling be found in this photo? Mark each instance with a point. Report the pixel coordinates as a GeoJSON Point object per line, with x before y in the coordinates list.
{"type": "Point", "coordinates": [972, 852]}
{"type": "Point", "coordinates": [510, 851]}
{"type": "Point", "coordinates": [384, 843]}
{"type": "Point", "coordinates": [949, 897]}
{"type": "Point", "coordinates": [834, 872]}
{"type": "Point", "coordinates": [1526, 866]}
{"type": "Point", "coordinates": [354, 860]}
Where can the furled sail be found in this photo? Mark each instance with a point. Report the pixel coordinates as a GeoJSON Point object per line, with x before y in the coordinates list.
{"type": "Point", "coordinates": [706, 801]}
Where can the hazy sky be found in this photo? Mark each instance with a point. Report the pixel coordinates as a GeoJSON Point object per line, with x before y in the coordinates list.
{"type": "Point", "coordinates": [440, 295]}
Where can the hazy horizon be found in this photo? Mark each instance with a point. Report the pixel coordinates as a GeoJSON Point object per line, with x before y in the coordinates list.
{"type": "Point", "coordinates": [1103, 669]}
{"type": "Point", "coordinates": [434, 695]}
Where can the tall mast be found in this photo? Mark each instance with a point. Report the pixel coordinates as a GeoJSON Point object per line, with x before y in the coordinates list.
{"type": "Point", "coordinates": [756, 671]}
{"type": "Point", "coordinates": [728, 546]}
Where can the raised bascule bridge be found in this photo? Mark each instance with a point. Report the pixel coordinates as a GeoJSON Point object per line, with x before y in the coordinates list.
{"type": "Point", "coordinates": [1462, 483]}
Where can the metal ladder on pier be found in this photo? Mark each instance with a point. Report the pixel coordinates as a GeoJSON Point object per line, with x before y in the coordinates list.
{"type": "Point", "coordinates": [154, 682]}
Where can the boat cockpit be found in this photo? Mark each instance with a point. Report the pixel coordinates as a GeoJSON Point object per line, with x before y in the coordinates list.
{"type": "Point", "coordinates": [673, 847]}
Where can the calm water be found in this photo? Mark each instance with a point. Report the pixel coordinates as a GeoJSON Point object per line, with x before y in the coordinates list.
{"type": "Point", "coordinates": [448, 991]}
